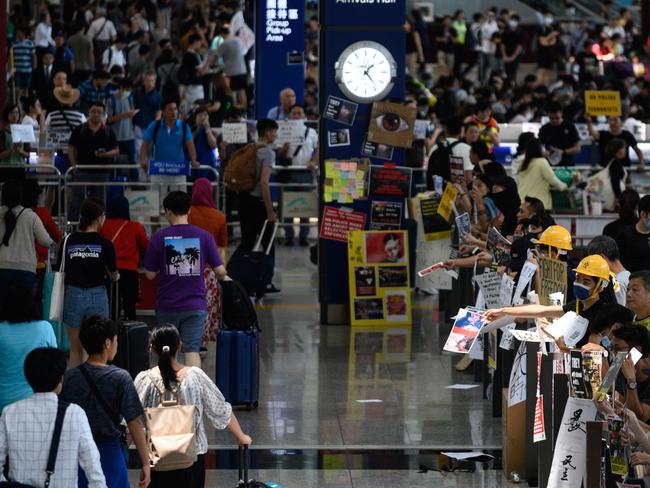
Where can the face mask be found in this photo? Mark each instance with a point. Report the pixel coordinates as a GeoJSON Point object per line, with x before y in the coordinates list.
{"type": "Point", "coordinates": [513, 24]}
{"type": "Point", "coordinates": [126, 93]}
{"type": "Point", "coordinates": [605, 342]}
{"type": "Point", "coordinates": [581, 291]}
{"type": "Point", "coordinates": [548, 20]}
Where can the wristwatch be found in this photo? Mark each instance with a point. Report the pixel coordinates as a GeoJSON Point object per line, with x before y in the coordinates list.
{"type": "Point", "coordinates": [631, 385]}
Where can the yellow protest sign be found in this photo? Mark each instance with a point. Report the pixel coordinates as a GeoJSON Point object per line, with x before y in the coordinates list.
{"type": "Point", "coordinates": [601, 102]}
{"type": "Point", "coordinates": [448, 197]}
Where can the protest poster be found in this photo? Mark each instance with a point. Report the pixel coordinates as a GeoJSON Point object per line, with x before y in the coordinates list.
{"type": "Point", "coordinates": [498, 246]}
{"type": "Point", "coordinates": [603, 102]}
{"type": "Point", "coordinates": [376, 150]}
{"type": "Point", "coordinates": [337, 222]}
{"type": "Point", "coordinates": [168, 168]}
{"type": "Point", "coordinates": [392, 123]}
{"type": "Point", "coordinates": [553, 274]}
{"type": "Point", "coordinates": [390, 181]}
{"type": "Point", "coordinates": [299, 204]}
{"type": "Point", "coordinates": [379, 278]}
{"type": "Point", "coordinates": [517, 383]}
{"type": "Point", "coordinates": [448, 198]}
{"type": "Point", "coordinates": [525, 277]}
{"type": "Point", "coordinates": [464, 331]}
{"type": "Point", "coordinates": [385, 215]}
{"type": "Point", "coordinates": [577, 379]}
{"type": "Point", "coordinates": [292, 132]}
{"type": "Point", "coordinates": [22, 133]}
{"type": "Point", "coordinates": [434, 226]}
{"type": "Point", "coordinates": [507, 339]}
{"type": "Point", "coordinates": [340, 110]}
{"type": "Point", "coordinates": [490, 284]}
{"type": "Point", "coordinates": [610, 376]}
{"type": "Point", "coordinates": [338, 137]}
{"type": "Point", "coordinates": [539, 432]}
{"type": "Point", "coordinates": [234, 132]}
{"type": "Point", "coordinates": [420, 129]}
{"type": "Point", "coordinates": [507, 285]}
{"type": "Point", "coordinates": [463, 224]}
{"type": "Point", "coordinates": [570, 326]}
{"type": "Point", "coordinates": [617, 451]}
{"type": "Point", "coordinates": [57, 140]}
{"type": "Point", "coordinates": [591, 372]}
{"type": "Point", "coordinates": [570, 456]}
{"type": "Point", "coordinates": [344, 181]}
{"type": "Point", "coordinates": [457, 169]}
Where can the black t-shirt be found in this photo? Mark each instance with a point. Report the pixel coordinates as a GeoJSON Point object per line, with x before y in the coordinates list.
{"type": "Point", "coordinates": [562, 136]}
{"type": "Point", "coordinates": [545, 54]}
{"type": "Point", "coordinates": [191, 61]}
{"type": "Point", "coordinates": [449, 35]}
{"type": "Point", "coordinates": [634, 248]}
{"type": "Point", "coordinates": [87, 142]}
{"type": "Point", "coordinates": [588, 314]}
{"type": "Point", "coordinates": [512, 39]}
{"type": "Point", "coordinates": [606, 136]}
{"type": "Point", "coordinates": [87, 259]}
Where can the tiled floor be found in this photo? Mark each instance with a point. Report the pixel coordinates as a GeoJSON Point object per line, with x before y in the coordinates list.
{"type": "Point", "coordinates": [337, 388]}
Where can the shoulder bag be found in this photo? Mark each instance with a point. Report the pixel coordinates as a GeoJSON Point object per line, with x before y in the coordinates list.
{"type": "Point", "coordinates": [58, 288]}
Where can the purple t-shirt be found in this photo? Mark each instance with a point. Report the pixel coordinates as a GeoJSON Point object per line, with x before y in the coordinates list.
{"type": "Point", "coordinates": [180, 253]}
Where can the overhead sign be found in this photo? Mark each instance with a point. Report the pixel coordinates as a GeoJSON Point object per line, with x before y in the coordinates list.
{"type": "Point", "coordinates": [169, 168]}
{"type": "Point", "coordinates": [366, 12]}
{"type": "Point", "coordinates": [602, 102]}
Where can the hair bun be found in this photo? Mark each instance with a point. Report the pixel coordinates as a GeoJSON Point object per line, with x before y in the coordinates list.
{"type": "Point", "coordinates": [165, 349]}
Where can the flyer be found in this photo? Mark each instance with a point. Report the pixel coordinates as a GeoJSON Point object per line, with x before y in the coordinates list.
{"type": "Point", "coordinates": [337, 222]}
{"type": "Point", "coordinates": [340, 110]}
{"type": "Point", "coordinates": [457, 169]}
{"type": "Point", "coordinates": [376, 150]}
{"type": "Point", "coordinates": [22, 133]}
{"type": "Point", "coordinates": [464, 331]}
{"type": "Point", "coordinates": [385, 215]}
{"type": "Point", "coordinates": [434, 225]}
{"type": "Point", "coordinates": [463, 224]}
{"type": "Point", "coordinates": [498, 246]}
{"type": "Point", "coordinates": [338, 137]}
{"type": "Point", "coordinates": [390, 181]}
{"type": "Point", "coordinates": [392, 123]}
{"type": "Point", "coordinates": [365, 280]}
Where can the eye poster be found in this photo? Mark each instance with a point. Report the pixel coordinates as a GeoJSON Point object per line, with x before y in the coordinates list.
{"type": "Point", "coordinates": [378, 278]}
{"type": "Point", "coordinates": [392, 124]}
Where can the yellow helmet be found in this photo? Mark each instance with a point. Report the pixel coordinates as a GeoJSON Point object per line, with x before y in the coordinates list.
{"type": "Point", "coordinates": [556, 236]}
{"type": "Point", "coordinates": [595, 266]}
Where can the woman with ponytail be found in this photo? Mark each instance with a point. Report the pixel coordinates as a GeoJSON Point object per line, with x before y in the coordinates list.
{"type": "Point", "coordinates": [89, 262]}
{"type": "Point", "coordinates": [19, 228]}
{"type": "Point", "coordinates": [193, 387]}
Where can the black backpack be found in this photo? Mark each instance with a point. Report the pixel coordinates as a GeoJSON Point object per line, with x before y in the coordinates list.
{"type": "Point", "coordinates": [439, 162]}
{"type": "Point", "coordinates": [238, 310]}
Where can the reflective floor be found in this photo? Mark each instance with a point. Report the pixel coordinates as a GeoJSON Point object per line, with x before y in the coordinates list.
{"type": "Point", "coordinates": [355, 407]}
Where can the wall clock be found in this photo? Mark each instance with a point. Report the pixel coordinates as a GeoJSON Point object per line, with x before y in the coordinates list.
{"type": "Point", "coordinates": [365, 71]}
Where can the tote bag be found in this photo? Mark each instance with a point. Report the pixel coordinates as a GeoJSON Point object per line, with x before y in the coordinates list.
{"type": "Point", "coordinates": [600, 186]}
{"type": "Point", "coordinates": [58, 288]}
{"type": "Point", "coordinates": [59, 329]}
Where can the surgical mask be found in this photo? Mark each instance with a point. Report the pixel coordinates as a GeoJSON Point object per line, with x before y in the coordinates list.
{"type": "Point", "coordinates": [548, 20]}
{"type": "Point", "coordinates": [605, 342]}
{"type": "Point", "coordinates": [513, 24]}
{"type": "Point", "coordinates": [581, 292]}
{"type": "Point", "coordinates": [126, 93]}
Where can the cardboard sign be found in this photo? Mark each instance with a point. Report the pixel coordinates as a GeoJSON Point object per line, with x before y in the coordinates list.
{"type": "Point", "coordinates": [379, 278]}
{"type": "Point", "coordinates": [337, 222]}
{"type": "Point", "coordinates": [464, 331]}
{"type": "Point", "coordinates": [570, 456]}
{"type": "Point", "coordinates": [553, 273]}
{"type": "Point", "coordinates": [390, 181]}
{"type": "Point", "coordinates": [22, 133]}
{"type": "Point", "coordinates": [234, 132]}
{"type": "Point", "coordinates": [291, 132]}
{"type": "Point", "coordinates": [169, 168]}
{"type": "Point", "coordinates": [602, 102]}
{"type": "Point", "coordinates": [392, 124]}
{"type": "Point", "coordinates": [385, 215]}
{"type": "Point", "coordinates": [143, 203]}
{"type": "Point", "coordinates": [434, 225]}
{"type": "Point", "coordinates": [301, 204]}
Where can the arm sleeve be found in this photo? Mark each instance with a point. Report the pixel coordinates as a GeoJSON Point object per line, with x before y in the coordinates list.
{"type": "Point", "coordinates": [188, 133]}
{"type": "Point", "coordinates": [88, 453]}
{"type": "Point", "coordinates": [141, 238]}
{"type": "Point", "coordinates": [42, 236]}
{"type": "Point", "coordinates": [148, 133]}
{"type": "Point", "coordinates": [549, 176]}
{"type": "Point", "coordinates": [212, 253]}
{"type": "Point", "coordinates": [111, 261]}
{"type": "Point", "coordinates": [50, 338]}
{"type": "Point", "coordinates": [74, 137]}
{"type": "Point", "coordinates": [112, 140]}
{"type": "Point", "coordinates": [222, 234]}
{"type": "Point", "coordinates": [151, 259]}
{"type": "Point", "coordinates": [215, 407]}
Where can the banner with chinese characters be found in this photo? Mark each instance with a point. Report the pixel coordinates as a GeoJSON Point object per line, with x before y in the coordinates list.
{"type": "Point", "coordinates": [378, 265]}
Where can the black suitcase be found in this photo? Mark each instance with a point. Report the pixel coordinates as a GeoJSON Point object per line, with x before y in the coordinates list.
{"type": "Point", "coordinates": [238, 312]}
{"type": "Point", "coordinates": [254, 268]}
{"type": "Point", "coordinates": [244, 480]}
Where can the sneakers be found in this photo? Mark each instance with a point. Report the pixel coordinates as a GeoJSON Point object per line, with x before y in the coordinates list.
{"type": "Point", "coordinates": [271, 288]}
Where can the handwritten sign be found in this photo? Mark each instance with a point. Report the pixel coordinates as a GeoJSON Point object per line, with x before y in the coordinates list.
{"type": "Point", "coordinates": [517, 384]}
{"type": "Point", "coordinates": [22, 133]}
{"type": "Point", "coordinates": [602, 102]}
{"type": "Point", "coordinates": [291, 132]}
{"type": "Point", "coordinates": [553, 274]}
{"type": "Point", "coordinates": [490, 285]}
{"type": "Point", "coordinates": [234, 132]}
{"type": "Point", "coordinates": [337, 222]}
{"type": "Point", "coordinates": [169, 168]}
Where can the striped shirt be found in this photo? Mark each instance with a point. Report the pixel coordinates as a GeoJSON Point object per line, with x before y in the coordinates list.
{"type": "Point", "coordinates": [89, 94]}
{"type": "Point", "coordinates": [23, 55]}
{"type": "Point", "coordinates": [63, 120]}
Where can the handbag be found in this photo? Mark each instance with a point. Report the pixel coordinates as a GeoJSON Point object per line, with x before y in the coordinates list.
{"type": "Point", "coordinates": [171, 435]}
{"type": "Point", "coordinates": [54, 450]}
{"type": "Point", "coordinates": [600, 187]}
{"type": "Point", "coordinates": [58, 288]}
{"type": "Point", "coordinates": [60, 333]}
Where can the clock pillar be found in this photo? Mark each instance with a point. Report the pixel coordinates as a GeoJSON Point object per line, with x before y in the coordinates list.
{"type": "Point", "coordinates": [342, 24]}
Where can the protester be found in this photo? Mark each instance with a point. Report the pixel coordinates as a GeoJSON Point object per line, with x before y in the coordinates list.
{"type": "Point", "coordinates": [27, 428]}
{"type": "Point", "coordinates": [205, 143]}
{"type": "Point", "coordinates": [560, 137]}
{"type": "Point", "coordinates": [536, 177]}
{"type": "Point", "coordinates": [147, 101]}
{"type": "Point", "coordinates": [94, 90]}
{"type": "Point", "coordinates": [130, 241]}
{"type": "Point", "coordinates": [108, 396]}
{"type": "Point", "coordinates": [616, 131]}
{"type": "Point", "coordinates": [607, 248]}
{"type": "Point", "coordinates": [191, 386]}
{"type": "Point", "coordinates": [627, 203]}
{"type": "Point", "coordinates": [633, 239]}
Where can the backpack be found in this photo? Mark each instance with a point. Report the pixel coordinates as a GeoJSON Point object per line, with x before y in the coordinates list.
{"type": "Point", "coordinates": [241, 173]}
{"type": "Point", "coordinates": [439, 162]}
{"type": "Point", "coordinates": [171, 436]}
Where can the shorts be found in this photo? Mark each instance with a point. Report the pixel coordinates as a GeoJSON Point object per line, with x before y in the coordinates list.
{"type": "Point", "coordinates": [189, 325]}
{"type": "Point", "coordinates": [80, 303]}
{"type": "Point", "coordinates": [23, 80]}
{"type": "Point", "coordinates": [238, 82]}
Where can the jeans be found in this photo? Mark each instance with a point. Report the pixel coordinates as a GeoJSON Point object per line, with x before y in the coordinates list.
{"type": "Point", "coordinates": [80, 303]}
{"type": "Point", "coordinates": [189, 325]}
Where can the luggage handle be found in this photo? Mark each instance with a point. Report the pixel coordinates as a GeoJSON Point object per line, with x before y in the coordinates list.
{"type": "Point", "coordinates": [243, 466]}
{"type": "Point", "coordinates": [258, 244]}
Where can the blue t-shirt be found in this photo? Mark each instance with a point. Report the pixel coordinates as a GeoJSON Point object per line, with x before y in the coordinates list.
{"type": "Point", "coordinates": [16, 341]}
{"type": "Point", "coordinates": [169, 143]}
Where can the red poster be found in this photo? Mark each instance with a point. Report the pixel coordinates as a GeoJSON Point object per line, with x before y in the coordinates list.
{"type": "Point", "coordinates": [337, 222]}
{"type": "Point", "coordinates": [539, 434]}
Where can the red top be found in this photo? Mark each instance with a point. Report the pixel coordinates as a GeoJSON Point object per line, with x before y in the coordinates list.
{"type": "Point", "coordinates": [51, 228]}
{"type": "Point", "coordinates": [129, 243]}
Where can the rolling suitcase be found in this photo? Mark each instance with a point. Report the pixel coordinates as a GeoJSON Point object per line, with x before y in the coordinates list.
{"type": "Point", "coordinates": [254, 268]}
{"type": "Point", "coordinates": [244, 481]}
{"type": "Point", "coordinates": [238, 366]}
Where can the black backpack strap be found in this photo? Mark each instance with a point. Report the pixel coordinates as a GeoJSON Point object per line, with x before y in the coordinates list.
{"type": "Point", "coordinates": [56, 437]}
{"type": "Point", "coordinates": [100, 398]}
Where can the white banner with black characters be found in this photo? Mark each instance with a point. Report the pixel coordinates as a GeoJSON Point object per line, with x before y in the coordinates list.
{"type": "Point", "coordinates": [570, 456]}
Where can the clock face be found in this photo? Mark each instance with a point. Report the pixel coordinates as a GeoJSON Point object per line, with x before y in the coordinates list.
{"type": "Point", "coordinates": [365, 71]}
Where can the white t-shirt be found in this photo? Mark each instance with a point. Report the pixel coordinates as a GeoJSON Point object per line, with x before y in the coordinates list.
{"type": "Point", "coordinates": [623, 279]}
{"type": "Point", "coordinates": [96, 32]}
{"type": "Point", "coordinates": [306, 151]}
{"type": "Point", "coordinates": [461, 150]}
{"type": "Point", "coordinates": [487, 30]}
{"type": "Point", "coordinates": [113, 57]}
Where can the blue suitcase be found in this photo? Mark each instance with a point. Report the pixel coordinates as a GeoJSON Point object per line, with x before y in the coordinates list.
{"type": "Point", "coordinates": [238, 366]}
